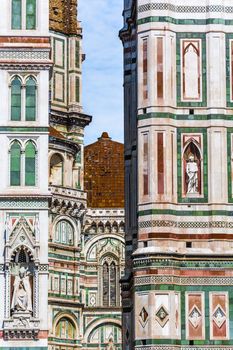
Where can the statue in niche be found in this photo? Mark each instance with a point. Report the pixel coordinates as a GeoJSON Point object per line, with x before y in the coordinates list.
{"type": "Point", "coordinates": [22, 294]}
{"type": "Point", "coordinates": [192, 173]}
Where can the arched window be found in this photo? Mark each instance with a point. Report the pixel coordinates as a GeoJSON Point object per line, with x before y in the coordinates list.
{"type": "Point", "coordinates": [30, 164]}
{"type": "Point", "coordinates": [16, 14]}
{"type": "Point", "coordinates": [64, 233]}
{"type": "Point", "coordinates": [30, 114]}
{"type": "Point", "coordinates": [15, 164]}
{"type": "Point", "coordinates": [30, 14]}
{"type": "Point", "coordinates": [16, 96]}
{"type": "Point", "coordinates": [109, 279]}
{"type": "Point", "coordinates": [56, 170]}
{"type": "Point", "coordinates": [65, 329]}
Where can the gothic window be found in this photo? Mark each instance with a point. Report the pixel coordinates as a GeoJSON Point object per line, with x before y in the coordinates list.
{"type": "Point", "coordinates": [16, 17]}
{"type": "Point", "coordinates": [23, 14]}
{"type": "Point", "coordinates": [15, 164]}
{"type": "Point", "coordinates": [23, 95]}
{"type": "Point", "coordinates": [30, 99]}
{"type": "Point", "coordinates": [30, 164]}
{"type": "Point", "coordinates": [109, 280]}
{"type": "Point", "coordinates": [65, 329]}
{"type": "Point", "coordinates": [31, 14]}
{"type": "Point", "coordinates": [64, 233]}
{"type": "Point", "coordinates": [16, 97]}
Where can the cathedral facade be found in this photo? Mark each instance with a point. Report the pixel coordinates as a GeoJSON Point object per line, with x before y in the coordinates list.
{"type": "Point", "coordinates": [62, 243]}
{"type": "Point", "coordinates": [178, 79]}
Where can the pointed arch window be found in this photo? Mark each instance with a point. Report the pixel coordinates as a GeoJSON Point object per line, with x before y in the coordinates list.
{"type": "Point", "coordinates": [30, 99]}
{"type": "Point", "coordinates": [30, 164]}
{"type": "Point", "coordinates": [16, 16]}
{"type": "Point", "coordinates": [109, 279]}
{"type": "Point", "coordinates": [31, 14]}
{"type": "Point", "coordinates": [16, 99]}
{"type": "Point", "coordinates": [15, 164]}
{"type": "Point", "coordinates": [23, 98]}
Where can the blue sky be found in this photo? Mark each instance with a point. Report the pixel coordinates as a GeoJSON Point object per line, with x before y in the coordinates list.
{"type": "Point", "coordinates": [102, 69]}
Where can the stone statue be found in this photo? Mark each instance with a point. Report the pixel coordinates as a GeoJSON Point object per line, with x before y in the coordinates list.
{"type": "Point", "coordinates": [22, 294]}
{"type": "Point", "coordinates": [192, 172]}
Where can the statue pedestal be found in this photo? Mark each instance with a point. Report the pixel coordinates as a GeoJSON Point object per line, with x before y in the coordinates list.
{"type": "Point", "coordinates": [21, 325]}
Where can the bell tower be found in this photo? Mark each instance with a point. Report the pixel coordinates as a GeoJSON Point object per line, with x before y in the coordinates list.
{"type": "Point", "coordinates": [181, 280]}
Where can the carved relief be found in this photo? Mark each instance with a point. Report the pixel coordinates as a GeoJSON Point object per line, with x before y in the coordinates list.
{"type": "Point", "coordinates": [21, 317]}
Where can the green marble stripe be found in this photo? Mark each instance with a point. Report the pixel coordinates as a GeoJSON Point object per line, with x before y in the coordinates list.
{"type": "Point", "coordinates": [182, 288]}
{"type": "Point", "coordinates": [197, 265]}
{"type": "Point", "coordinates": [63, 257]}
{"type": "Point", "coordinates": [69, 341]}
{"type": "Point", "coordinates": [182, 342]}
{"type": "Point", "coordinates": [189, 117]}
{"type": "Point", "coordinates": [178, 21]}
{"type": "Point", "coordinates": [23, 129]}
{"type": "Point", "coordinates": [62, 296]}
{"type": "Point", "coordinates": [186, 212]}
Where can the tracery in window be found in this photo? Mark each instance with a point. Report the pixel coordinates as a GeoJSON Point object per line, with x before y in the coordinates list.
{"type": "Point", "coordinates": [64, 233]}
{"type": "Point", "coordinates": [65, 329]}
{"type": "Point", "coordinates": [23, 157]}
{"type": "Point", "coordinates": [109, 283]}
{"type": "Point", "coordinates": [23, 98]}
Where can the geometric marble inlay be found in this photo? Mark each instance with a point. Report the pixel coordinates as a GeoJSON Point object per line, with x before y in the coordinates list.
{"type": "Point", "coordinates": [162, 316]}
{"type": "Point", "coordinates": [143, 317]}
{"type": "Point", "coordinates": [219, 316]}
{"type": "Point", "coordinates": [195, 316]}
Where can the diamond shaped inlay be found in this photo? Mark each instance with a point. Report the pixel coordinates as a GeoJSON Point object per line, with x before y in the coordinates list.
{"type": "Point", "coordinates": [143, 317]}
{"type": "Point", "coordinates": [195, 316]}
{"type": "Point", "coordinates": [143, 314]}
{"type": "Point", "coordinates": [219, 316]}
{"type": "Point", "coordinates": [162, 313]}
{"type": "Point", "coordinates": [162, 316]}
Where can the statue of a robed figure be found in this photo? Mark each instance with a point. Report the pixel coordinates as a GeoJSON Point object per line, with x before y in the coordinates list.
{"type": "Point", "coordinates": [22, 292]}
{"type": "Point", "coordinates": [192, 175]}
